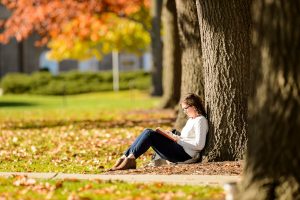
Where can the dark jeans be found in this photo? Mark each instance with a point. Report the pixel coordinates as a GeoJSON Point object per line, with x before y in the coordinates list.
{"type": "Point", "coordinates": [164, 147]}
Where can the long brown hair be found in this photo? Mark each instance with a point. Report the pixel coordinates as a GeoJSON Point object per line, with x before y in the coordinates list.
{"type": "Point", "coordinates": [192, 99]}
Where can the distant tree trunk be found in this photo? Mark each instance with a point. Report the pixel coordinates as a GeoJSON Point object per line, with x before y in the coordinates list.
{"type": "Point", "coordinates": [1, 72]}
{"type": "Point", "coordinates": [191, 60]}
{"type": "Point", "coordinates": [171, 57]}
{"type": "Point", "coordinates": [273, 159]}
{"type": "Point", "coordinates": [21, 56]}
{"type": "Point", "coordinates": [224, 27]}
{"type": "Point", "coordinates": [156, 48]}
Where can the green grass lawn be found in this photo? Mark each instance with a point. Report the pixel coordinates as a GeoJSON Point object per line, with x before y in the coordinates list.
{"type": "Point", "coordinates": [75, 107]}
{"type": "Point", "coordinates": [80, 134]}
{"type": "Point", "coordinates": [24, 188]}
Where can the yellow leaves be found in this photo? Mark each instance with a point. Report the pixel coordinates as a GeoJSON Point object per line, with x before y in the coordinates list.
{"type": "Point", "coordinates": [92, 36]}
{"type": "Point", "coordinates": [126, 35]}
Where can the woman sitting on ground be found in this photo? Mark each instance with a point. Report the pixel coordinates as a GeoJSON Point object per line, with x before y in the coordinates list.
{"type": "Point", "coordinates": [187, 145]}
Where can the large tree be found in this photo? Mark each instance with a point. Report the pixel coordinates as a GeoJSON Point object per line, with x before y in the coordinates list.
{"type": "Point", "coordinates": [171, 56]}
{"type": "Point", "coordinates": [273, 159]}
{"type": "Point", "coordinates": [156, 47]}
{"type": "Point", "coordinates": [224, 27]}
{"type": "Point", "coordinates": [191, 59]}
{"type": "Point", "coordinates": [48, 18]}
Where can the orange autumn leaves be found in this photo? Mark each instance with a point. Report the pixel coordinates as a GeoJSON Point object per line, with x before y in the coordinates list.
{"type": "Point", "coordinates": [87, 20]}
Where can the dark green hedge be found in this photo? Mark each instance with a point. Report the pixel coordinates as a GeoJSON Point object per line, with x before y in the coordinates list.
{"type": "Point", "coordinates": [72, 82]}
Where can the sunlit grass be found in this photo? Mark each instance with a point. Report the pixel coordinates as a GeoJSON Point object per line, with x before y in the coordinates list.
{"type": "Point", "coordinates": [80, 134]}
{"type": "Point", "coordinates": [84, 106]}
{"type": "Point", "coordinates": [24, 188]}
{"type": "Point", "coordinates": [64, 149]}
{"type": "Point", "coordinates": [84, 134]}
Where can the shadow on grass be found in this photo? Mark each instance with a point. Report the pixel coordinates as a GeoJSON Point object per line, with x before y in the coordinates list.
{"type": "Point", "coordinates": [90, 124]}
{"type": "Point", "coordinates": [15, 104]}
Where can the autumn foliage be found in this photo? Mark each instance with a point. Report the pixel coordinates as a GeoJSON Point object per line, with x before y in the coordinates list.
{"type": "Point", "coordinates": [48, 18]}
{"type": "Point", "coordinates": [87, 37]}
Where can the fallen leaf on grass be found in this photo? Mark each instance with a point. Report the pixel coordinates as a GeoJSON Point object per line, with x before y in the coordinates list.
{"type": "Point", "coordinates": [23, 181]}
{"type": "Point", "coordinates": [59, 184]}
{"type": "Point", "coordinates": [71, 179]}
{"type": "Point", "coordinates": [159, 184]}
{"type": "Point", "coordinates": [86, 187]}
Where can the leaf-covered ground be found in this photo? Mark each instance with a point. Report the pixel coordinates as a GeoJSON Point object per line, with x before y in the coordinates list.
{"type": "Point", "coordinates": [86, 134]}
{"type": "Point", "coordinates": [85, 146]}
{"type": "Point", "coordinates": [21, 187]}
{"type": "Point", "coordinates": [90, 146]}
{"type": "Point", "coordinates": [211, 168]}
{"type": "Point", "coordinates": [91, 132]}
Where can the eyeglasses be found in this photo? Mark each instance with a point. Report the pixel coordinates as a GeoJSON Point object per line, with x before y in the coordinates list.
{"type": "Point", "coordinates": [185, 108]}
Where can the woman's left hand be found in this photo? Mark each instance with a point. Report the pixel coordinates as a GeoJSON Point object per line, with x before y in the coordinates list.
{"type": "Point", "coordinates": [176, 137]}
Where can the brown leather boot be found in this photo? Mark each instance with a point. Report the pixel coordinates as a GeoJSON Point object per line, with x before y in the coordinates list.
{"type": "Point", "coordinates": [128, 163]}
{"type": "Point", "coordinates": [118, 162]}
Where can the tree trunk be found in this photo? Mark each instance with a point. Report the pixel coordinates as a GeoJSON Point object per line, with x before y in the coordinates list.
{"type": "Point", "coordinates": [171, 57]}
{"type": "Point", "coordinates": [191, 60]}
{"type": "Point", "coordinates": [224, 28]}
{"type": "Point", "coordinates": [273, 159]}
{"type": "Point", "coordinates": [21, 56]}
{"type": "Point", "coordinates": [156, 48]}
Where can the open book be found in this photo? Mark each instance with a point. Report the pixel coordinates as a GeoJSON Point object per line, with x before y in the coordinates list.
{"type": "Point", "coordinates": [165, 133]}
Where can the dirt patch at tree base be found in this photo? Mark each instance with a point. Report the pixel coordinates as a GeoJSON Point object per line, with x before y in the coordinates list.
{"type": "Point", "coordinates": [208, 168]}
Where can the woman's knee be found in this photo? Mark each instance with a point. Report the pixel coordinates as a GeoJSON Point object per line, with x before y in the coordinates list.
{"type": "Point", "coordinates": [148, 132]}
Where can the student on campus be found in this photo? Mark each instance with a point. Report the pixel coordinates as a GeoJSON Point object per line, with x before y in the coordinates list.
{"type": "Point", "coordinates": [190, 142]}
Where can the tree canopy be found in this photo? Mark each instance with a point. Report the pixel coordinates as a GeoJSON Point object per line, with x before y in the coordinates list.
{"type": "Point", "coordinates": [92, 36]}
{"type": "Point", "coordinates": [48, 18]}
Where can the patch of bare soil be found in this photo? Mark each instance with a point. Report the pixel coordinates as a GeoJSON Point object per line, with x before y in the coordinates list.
{"type": "Point", "coordinates": [208, 168]}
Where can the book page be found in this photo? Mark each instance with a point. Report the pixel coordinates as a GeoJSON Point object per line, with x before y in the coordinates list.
{"type": "Point", "coordinates": [166, 133]}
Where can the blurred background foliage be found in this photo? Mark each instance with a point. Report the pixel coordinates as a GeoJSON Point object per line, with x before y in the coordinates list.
{"type": "Point", "coordinates": [94, 36]}
{"type": "Point", "coordinates": [72, 82]}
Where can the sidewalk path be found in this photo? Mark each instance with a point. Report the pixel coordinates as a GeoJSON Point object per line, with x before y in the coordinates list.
{"type": "Point", "coordinates": [146, 178]}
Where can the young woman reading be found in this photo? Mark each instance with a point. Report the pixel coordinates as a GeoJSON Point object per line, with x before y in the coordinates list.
{"type": "Point", "coordinates": [181, 148]}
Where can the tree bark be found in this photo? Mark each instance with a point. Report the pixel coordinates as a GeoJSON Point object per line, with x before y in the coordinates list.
{"type": "Point", "coordinates": [21, 56]}
{"type": "Point", "coordinates": [171, 57]}
{"type": "Point", "coordinates": [273, 159]}
{"type": "Point", "coordinates": [224, 27]}
{"type": "Point", "coordinates": [191, 60]}
{"type": "Point", "coordinates": [156, 48]}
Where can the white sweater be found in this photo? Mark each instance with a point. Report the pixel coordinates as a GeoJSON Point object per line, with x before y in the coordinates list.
{"type": "Point", "coordinates": [193, 135]}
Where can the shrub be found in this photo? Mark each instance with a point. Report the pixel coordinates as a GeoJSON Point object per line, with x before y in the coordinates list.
{"type": "Point", "coordinates": [72, 82]}
{"type": "Point", "coordinates": [39, 79]}
{"type": "Point", "coordinates": [15, 83]}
